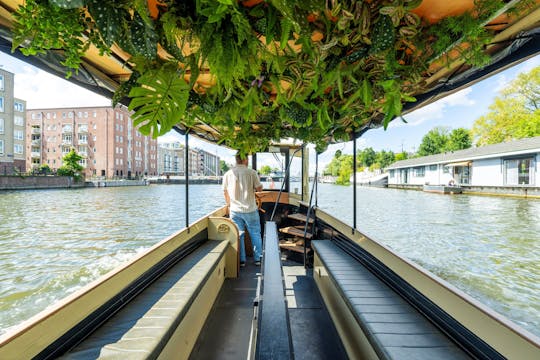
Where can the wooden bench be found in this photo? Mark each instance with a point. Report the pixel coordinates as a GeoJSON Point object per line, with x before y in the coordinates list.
{"type": "Point", "coordinates": [164, 316]}
{"type": "Point", "coordinates": [373, 321]}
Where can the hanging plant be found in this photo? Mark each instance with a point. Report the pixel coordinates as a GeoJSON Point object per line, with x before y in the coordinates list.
{"type": "Point", "coordinates": [256, 71]}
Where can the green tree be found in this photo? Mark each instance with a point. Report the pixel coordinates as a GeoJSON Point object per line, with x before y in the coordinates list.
{"type": "Point", "coordinates": [459, 139]}
{"type": "Point", "coordinates": [333, 167]}
{"type": "Point", "coordinates": [345, 170]}
{"type": "Point", "coordinates": [71, 167]}
{"type": "Point", "coordinates": [515, 114]}
{"type": "Point", "coordinates": [401, 156]}
{"type": "Point", "coordinates": [44, 169]}
{"type": "Point", "coordinates": [367, 157]}
{"type": "Point", "coordinates": [265, 170]}
{"type": "Point", "coordinates": [384, 158]}
{"type": "Point", "coordinates": [434, 142]}
{"type": "Point", "coordinates": [223, 166]}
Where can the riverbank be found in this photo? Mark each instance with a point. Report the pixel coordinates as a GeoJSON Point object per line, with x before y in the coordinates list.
{"type": "Point", "coordinates": [60, 182]}
{"type": "Point", "coordinates": [508, 191]}
{"type": "Point", "coordinates": [16, 182]}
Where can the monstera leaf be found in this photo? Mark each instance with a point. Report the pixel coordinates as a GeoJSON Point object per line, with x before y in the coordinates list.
{"type": "Point", "coordinates": [161, 102]}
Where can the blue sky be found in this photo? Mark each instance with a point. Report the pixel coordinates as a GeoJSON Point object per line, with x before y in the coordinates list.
{"type": "Point", "coordinates": [462, 109]}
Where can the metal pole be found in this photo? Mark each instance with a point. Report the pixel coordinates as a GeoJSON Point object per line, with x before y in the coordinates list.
{"type": "Point", "coordinates": [354, 181]}
{"type": "Point", "coordinates": [186, 173]}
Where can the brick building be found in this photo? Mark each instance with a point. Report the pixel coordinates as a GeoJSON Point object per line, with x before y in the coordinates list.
{"type": "Point", "coordinates": [171, 161]}
{"type": "Point", "coordinates": [12, 127]}
{"type": "Point", "coordinates": [104, 136]}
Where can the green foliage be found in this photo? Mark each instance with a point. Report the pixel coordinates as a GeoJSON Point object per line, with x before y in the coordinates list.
{"type": "Point", "coordinates": [515, 114]}
{"type": "Point", "coordinates": [367, 63]}
{"type": "Point", "coordinates": [266, 170]}
{"type": "Point", "coordinates": [71, 167]}
{"type": "Point", "coordinates": [440, 139]}
{"type": "Point", "coordinates": [159, 101]}
{"type": "Point", "coordinates": [223, 166]}
{"type": "Point", "coordinates": [44, 169]}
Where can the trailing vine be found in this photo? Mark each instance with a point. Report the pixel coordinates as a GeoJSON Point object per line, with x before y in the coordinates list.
{"type": "Point", "coordinates": [257, 71]}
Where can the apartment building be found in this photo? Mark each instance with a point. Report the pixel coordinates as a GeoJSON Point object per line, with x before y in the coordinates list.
{"type": "Point", "coordinates": [104, 136]}
{"type": "Point", "coordinates": [171, 161]}
{"type": "Point", "coordinates": [12, 127]}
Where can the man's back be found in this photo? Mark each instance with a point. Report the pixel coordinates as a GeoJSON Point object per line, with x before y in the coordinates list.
{"type": "Point", "coordinates": [240, 182]}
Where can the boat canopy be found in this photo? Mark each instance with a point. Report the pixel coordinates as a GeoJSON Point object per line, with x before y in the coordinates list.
{"type": "Point", "coordinates": [246, 73]}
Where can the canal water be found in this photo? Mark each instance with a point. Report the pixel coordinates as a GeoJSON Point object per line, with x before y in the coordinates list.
{"type": "Point", "coordinates": [52, 242]}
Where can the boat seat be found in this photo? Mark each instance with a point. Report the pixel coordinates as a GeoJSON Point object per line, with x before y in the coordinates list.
{"type": "Point", "coordinates": [394, 329]}
{"type": "Point", "coordinates": [142, 328]}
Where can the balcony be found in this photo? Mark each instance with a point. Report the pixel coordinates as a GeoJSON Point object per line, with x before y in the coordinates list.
{"type": "Point", "coordinates": [82, 129]}
{"type": "Point", "coordinates": [36, 142]}
{"type": "Point", "coordinates": [67, 129]}
{"type": "Point", "coordinates": [67, 141]}
{"type": "Point", "coordinates": [36, 130]}
{"type": "Point", "coordinates": [36, 155]}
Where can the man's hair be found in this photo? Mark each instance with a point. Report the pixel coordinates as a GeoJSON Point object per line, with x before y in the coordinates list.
{"type": "Point", "coordinates": [239, 158]}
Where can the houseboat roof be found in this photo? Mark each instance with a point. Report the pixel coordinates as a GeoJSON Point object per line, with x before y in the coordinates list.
{"type": "Point", "coordinates": [462, 157]}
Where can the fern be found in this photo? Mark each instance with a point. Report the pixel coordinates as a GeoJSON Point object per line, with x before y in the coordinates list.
{"type": "Point", "coordinates": [160, 101]}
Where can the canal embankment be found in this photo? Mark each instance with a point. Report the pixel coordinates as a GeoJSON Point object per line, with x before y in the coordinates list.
{"type": "Point", "coordinates": [512, 191]}
{"type": "Point", "coordinates": [19, 182]}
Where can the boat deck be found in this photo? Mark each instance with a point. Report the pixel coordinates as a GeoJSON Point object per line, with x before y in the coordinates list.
{"type": "Point", "coordinates": [226, 332]}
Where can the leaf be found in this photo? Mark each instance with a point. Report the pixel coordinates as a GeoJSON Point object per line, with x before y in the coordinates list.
{"type": "Point", "coordinates": [160, 100]}
{"type": "Point", "coordinates": [367, 93]}
{"type": "Point", "coordinates": [68, 4]}
{"type": "Point", "coordinates": [108, 19]}
{"type": "Point", "coordinates": [143, 37]}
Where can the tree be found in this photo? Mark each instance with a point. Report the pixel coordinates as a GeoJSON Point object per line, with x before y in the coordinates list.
{"type": "Point", "coordinates": [459, 139]}
{"type": "Point", "coordinates": [265, 170]}
{"type": "Point", "coordinates": [367, 157]}
{"type": "Point", "coordinates": [345, 170]}
{"type": "Point", "coordinates": [434, 142]}
{"type": "Point", "coordinates": [401, 156]}
{"type": "Point", "coordinates": [44, 169]}
{"type": "Point", "coordinates": [223, 166]}
{"type": "Point", "coordinates": [71, 166]}
{"type": "Point", "coordinates": [513, 115]}
{"type": "Point", "coordinates": [384, 158]}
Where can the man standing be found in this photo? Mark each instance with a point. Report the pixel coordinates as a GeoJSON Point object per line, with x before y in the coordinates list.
{"type": "Point", "coordinates": [239, 186]}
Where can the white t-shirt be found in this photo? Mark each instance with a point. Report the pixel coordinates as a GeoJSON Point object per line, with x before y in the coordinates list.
{"type": "Point", "coordinates": [240, 183]}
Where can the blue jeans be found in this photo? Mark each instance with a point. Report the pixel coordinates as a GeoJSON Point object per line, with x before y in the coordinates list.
{"type": "Point", "coordinates": [251, 223]}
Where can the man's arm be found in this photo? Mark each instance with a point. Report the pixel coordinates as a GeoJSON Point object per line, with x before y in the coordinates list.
{"type": "Point", "coordinates": [227, 197]}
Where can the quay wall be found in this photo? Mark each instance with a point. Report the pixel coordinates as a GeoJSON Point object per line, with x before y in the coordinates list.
{"type": "Point", "coordinates": [183, 181]}
{"type": "Point", "coordinates": [517, 191]}
{"type": "Point", "coordinates": [115, 183]}
{"type": "Point", "coordinates": [16, 182]}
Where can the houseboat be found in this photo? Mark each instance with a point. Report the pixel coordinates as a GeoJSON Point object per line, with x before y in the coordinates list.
{"type": "Point", "coordinates": [247, 74]}
{"type": "Point", "coordinates": [510, 168]}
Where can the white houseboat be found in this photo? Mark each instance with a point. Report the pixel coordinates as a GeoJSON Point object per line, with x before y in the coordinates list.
{"type": "Point", "coordinates": [505, 168]}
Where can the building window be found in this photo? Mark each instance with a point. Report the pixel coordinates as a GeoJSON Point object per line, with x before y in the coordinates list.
{"type": "Point", "coordinates": [18, 148]}
{"type": "Point", "coordinates": [1, 146]}
{"type": "Point", "coordinates": [519, 171]}
{"type": "Point", "coordinates": [18, 106]}
{"type": "Point", "coordinates": [1, 126]}
{"type": "Point", "coordinates": [18, 120]}
{"type": "Point", "coordinates": [1, 104]}
{"type": "Point", "coordinates": [2, 82]}
{"type": "Point", "coordinates": [432, 167]}
{"type": "Point", "coordinates": [419, 171]}
{"type": "Point", "coordinates": [18, 135]}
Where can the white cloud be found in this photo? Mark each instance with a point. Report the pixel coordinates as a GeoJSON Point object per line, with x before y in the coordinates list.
{"type": "Point", "coordinates": [43, 90]}
{"type": "Point", "coordinates": [435, 110]}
